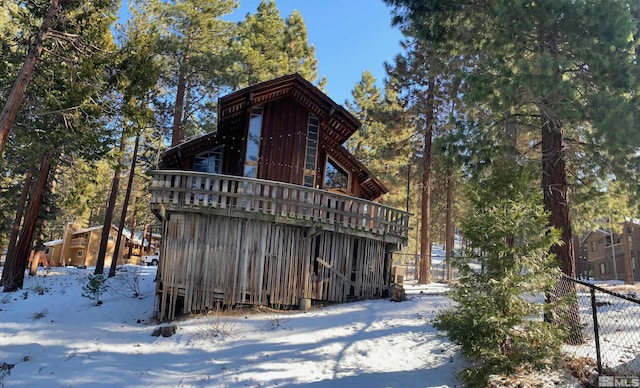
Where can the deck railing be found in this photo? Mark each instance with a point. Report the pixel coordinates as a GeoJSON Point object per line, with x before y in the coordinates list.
{"type": "Point", "coordinates": [79, 242]}
{"type": "Point", "coordinates": [289, 203]}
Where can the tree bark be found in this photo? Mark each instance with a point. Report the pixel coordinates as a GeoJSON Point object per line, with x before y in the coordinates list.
{"type": "Point", "coordinates": [449, 230]}
{"type": "Point", "coordinates": [108, 217]}
{"type": "Point", "coordinates": [16, 96]}
{"type": "Point", "coordinates": [10, 260]}
{"type": "Point", "coordinates": [425, 232]}
{"type": "Point", "coordinates": [177, 137]}
{"type": "Point", "coordinates": [134, 224]}
{"type": "Point", "coordinates": [554, 184]}
{"type": "Point", "coordinates": [629, 277]}
{"type": "Point", "coordinates": [144, 238]}
{"type": "Point", "coordinates": [114, 260]}
{"type": "Point", "coordinates": [15, 278]}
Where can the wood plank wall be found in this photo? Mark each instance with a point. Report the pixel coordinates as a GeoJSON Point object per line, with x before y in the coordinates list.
{"type": "Point", "coordinates": [212, 259]}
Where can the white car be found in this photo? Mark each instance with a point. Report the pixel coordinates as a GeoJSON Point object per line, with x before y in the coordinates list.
{"type": "Point", "coordinates": [150, 259]}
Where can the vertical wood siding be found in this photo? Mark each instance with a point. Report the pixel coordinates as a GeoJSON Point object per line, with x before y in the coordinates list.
{"type": "Point", "coordinates": [213, 259]}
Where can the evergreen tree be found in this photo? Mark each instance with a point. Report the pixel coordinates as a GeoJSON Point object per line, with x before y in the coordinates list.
{"type": "Point", "coordinates": [136, 80]}
{"type": "Point", "coordinates": [427, 82]}
{"type": "Point", "coordinates": [268, 46]}
{"type": "Point", "coordinates": [498, 318]}
{"type": "Point", "coordinates": [192, 41]}
{"type": "Point", "coordinates": [383, 142]}
{"type": "Point", "coordinates": [63, 114]}
{"type": "Point", "coordinates": [564, 68]}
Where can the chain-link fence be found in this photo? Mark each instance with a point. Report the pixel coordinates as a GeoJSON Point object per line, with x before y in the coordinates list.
{"type": "Point", "coordinates": [605, 319]}
{"type": "Point", "coordinates": [609, 320]}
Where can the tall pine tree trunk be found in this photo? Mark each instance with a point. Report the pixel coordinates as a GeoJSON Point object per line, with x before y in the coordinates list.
{"type": "Point", "coordinates": [629, 277]}
{"type": "Point", "coordinates": [425, 232]}
{"type": "Point", "coordinates": [15, 229]}
{"type": "Point", "coordinates": [16, 96]}
{"type": "Point", "coordinates": [178, 120]}
{"type": "Point", "coordinates": [556, 202]}
{"type": "Point", "coordinates": [114, 260]}
{"type": "Point", "coordinates": [108, 217]}
{"type": "Point", "coordinates": [15, 279]}
{"type": "Point", "coordinates": [554, 184]}
{"type": "Point", "coordinates": [449, 230]}
{"type": "Point", "coordinates": [177, 137]}
{"type": "Point", "coordinates": [134, 224]}
{"type": "Point", "coordinates": [144, 238]}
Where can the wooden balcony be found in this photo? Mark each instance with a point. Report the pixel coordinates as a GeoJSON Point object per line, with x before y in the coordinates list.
{"type": "Point", "coordinates": [79, 242]}
{"type": "Point", "coordinates": [314, 209]}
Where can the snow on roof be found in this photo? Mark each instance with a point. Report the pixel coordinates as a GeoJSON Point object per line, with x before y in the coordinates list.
{"type": "Point", "coordinates": [89, 229]}
{"type": "Point", "coordinates": [53, 242]}
{"type": "Point", "coordinates": [126, 233]}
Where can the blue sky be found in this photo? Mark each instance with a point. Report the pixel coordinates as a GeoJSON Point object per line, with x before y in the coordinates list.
{"type": "Point", "coordinates": [350, 36]}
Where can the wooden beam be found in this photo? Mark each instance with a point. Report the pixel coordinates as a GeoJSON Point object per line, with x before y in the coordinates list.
{"type": "Point", "coordinates": [340, 275]}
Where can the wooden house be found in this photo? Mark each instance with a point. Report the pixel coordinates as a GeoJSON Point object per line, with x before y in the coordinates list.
{"type": "Point", "coordinates": [271, 209]}
{"type": "Point", "coordinates": [609, 254]}
{"type": "Point", "coordinates": [79, 246]}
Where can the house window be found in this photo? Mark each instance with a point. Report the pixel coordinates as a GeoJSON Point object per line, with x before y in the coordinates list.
{"type": "Point", "coordinates": [312, 151]}
{"type": "Point", "coordinates": [603, 268]}
{"type": "Point", "coordinates": [111, 238]}
{"type": "Point", "coordinates": [80, 253]}
{"type": "Point", "coordinates": [335, 177]}
{"type": "Point", "coordinates": [209, 161]}
{"type": "Point", "coordinates": [47, 251]}
{"type": "Point", "coordinates": [593, 246]}
{"type": "Point", "coordinates": [253, 143]}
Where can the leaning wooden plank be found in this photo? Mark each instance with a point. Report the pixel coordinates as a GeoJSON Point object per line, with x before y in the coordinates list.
{"type": "Point", "coordinates": [336, 272]}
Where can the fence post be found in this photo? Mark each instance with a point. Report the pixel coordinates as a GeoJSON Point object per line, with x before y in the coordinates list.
{"type": "Point", "coordinates": [595, 329]}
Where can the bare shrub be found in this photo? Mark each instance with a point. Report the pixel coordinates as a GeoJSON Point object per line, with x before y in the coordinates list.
{"type": "Point", "coordinates": [218, 324]}
{"type": "Point", "coordinates": [40, 314]}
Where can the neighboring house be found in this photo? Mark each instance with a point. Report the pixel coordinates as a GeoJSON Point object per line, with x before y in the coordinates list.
{"type": "Point", "coordinates": [80, 246]}
{"type": "Point", "coordinates": [53, 252]}
{"type": "Point", "coordinates": [271, 209]}
{"type": "Point", "coordinates": [152, 243]}
{"type": "Point", "coordinates": [607, 261]}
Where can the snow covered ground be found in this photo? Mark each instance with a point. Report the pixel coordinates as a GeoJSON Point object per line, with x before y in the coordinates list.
{"type": "Point", "coordinates": [618, 321]}
{"type": "Point", "coordinates": [50, 336]}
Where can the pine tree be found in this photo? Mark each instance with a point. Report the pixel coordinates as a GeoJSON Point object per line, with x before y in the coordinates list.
{"type": "Point", "coordinates": [192, 40]}
{"type": "Point", "coordinates": [533, 65]}
{"type": "Point", "coordinates": [96, 286]}
{"type": "Point", "coordinates": [268, 46]}
{"type": "Point", "coordinates": [63, 114]}
{"type": "Point", "coordinates": [428, 84]}
{"type": "Point", "coordinates": [136, 80]}
{"type": "Point", "coordinates": [383, 142]}
{"type": "Point", "coordinates": [498, 318]}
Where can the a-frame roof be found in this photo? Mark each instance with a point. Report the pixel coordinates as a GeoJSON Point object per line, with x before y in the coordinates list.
{"type": "Point", "coordinates": [340, 123]}
{"type": "Point", "coordinates": [337, 124]}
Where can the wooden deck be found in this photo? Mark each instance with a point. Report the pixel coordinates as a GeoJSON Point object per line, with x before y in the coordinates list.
{"type": "Point", "coordinates": [235, 241]}
{"type": "Point", "coordinates": [277, 202]}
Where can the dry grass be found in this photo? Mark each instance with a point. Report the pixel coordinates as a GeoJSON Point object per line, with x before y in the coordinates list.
{"type": "Point", "coordinates": [584, 369]}
{"type": "Point", "coordinates": [561, 376]}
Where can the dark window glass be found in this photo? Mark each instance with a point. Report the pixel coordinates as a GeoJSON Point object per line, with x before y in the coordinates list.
{"type": "Point", "coordinates": [209, 161]}
{"type": "Point", "coordinates": [335, 177]}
